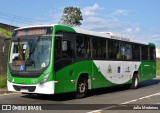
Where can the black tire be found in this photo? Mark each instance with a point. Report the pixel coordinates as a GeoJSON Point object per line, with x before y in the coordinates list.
{"type": "Point", "coordinates": [135, 82]}
{"type": "Point", "coordinates": [82, 88]}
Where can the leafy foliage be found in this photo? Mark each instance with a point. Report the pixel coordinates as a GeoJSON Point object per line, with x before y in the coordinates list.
{"type": "Point", "coordinates": [3, 58]}
{"type": "Point", "coordinates": [6, 33]}
{"type": "Point", "coordinates": [158, 66]}
{"type": "Point", "coordinates": [71, 16]}
{"type": "Point", "coordinates": [3, 81]}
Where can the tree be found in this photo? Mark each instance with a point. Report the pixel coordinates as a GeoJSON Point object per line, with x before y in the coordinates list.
{"type": "Point", "coordinates": [71, 16]}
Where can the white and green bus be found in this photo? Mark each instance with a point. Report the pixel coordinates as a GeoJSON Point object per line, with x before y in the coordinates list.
{"type": "Point", "coordinates": [53, 59]}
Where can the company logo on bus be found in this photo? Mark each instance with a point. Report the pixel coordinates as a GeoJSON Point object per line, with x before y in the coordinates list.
{"type": "Point", "coordinates": [109, 71]}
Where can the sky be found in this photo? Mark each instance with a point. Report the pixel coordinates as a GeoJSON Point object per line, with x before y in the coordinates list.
{"type": "Point", "coordinates": [139, 19]}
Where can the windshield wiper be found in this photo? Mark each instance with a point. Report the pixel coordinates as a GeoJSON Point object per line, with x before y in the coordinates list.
{"type": "Point", "coordinates": [29, 62]}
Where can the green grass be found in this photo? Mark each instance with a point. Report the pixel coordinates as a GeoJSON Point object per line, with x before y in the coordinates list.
{"type": "Point", "coordinates": [6, 33]}
{"type": "Point", "coordinates": [3, 82]}
{"type": "Point", "coordinates": [158, 66]}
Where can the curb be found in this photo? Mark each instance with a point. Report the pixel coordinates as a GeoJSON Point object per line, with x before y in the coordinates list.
{"type": "Point", "coordinates": [4, 91]}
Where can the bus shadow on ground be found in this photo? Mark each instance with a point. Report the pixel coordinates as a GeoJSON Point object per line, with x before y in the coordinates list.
{"type": "Point", "coordinates": [100, 91]}
{"type": "Point", "coordinates": [150, 82]}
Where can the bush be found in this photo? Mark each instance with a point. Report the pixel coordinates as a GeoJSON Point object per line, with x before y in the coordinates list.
{"type": "Point", "coordinates": [3, 81]}
{"type": "Point", "coordinates": [5, 32]}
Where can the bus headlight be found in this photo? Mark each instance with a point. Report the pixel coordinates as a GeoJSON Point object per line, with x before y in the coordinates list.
{"type": "Point", "coordinates": [45, 78]}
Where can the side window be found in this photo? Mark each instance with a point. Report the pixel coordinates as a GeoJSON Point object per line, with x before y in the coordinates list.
{"type": "Point", "coordinates": [144, 52]}
{"type": "Point", "coordinates": [99, 48]}
{"type": "Point", "coordinates": [113, 49]}
{"type": "Point", "coordinates": [94, 48]}
{"type": "Point", "coordinates": [102, 48]}
{"type": "Point", "coordinates": [152, 53]}
{"type": "Point", "coordinates": [83, 46]}
{"type": "Point", "coordinates": [126, 51]}
{"type": "Point", "coordinates": [136, 52]}
{"type": "Point", "coordinates": [68, 45]}
{"type": "Point", "coordinates": [87, 47]}
{"type": "Point", "coordinates": [80, 46]}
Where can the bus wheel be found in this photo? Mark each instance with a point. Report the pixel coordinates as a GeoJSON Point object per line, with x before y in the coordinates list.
{"type": "Point", "coordinates": [135, 82]}
{"type": "Point", "coordinates": [82, 88]}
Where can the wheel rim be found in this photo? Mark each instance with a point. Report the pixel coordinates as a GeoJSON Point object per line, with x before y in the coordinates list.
{"type": "Point", "coordinates": [82, 88]}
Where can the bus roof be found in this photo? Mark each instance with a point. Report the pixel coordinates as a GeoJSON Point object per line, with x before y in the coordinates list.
{"type": "Point", "coordinates": [34, 26]}
{"type": "Point", "coordinates": [109, 35]}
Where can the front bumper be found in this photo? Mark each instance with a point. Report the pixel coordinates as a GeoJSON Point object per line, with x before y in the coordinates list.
{"type": "Point", "coordinates": [46, 88]}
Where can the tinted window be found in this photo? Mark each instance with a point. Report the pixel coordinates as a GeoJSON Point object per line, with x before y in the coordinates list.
{"type": "Point", "coordinates": [135, 52]}
{"type": "Point", "coordinates": [83, 48]}
{"type": "Point", "coordinates": [113, 50]}
{"type": "Point", "coordinates": [87, 47]}
{"type": "Point", "coordinates": [144, 52]}
{"type": "Point", "coordinates": [102, 48]}
{"type": "Point", "coordinates": [99, 48]}
{"type": "Point", "coordinates": [152, 53]}
{"type": "Point", "coordinates": [79, 46]}
{"type": "Point", "coordinates": [125, 51]}
{"type": "Point", "coordinates": [94, 47]}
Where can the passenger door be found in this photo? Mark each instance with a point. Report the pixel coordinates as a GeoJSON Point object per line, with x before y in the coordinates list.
{"type": "Point", "coordinates": [64, 57]}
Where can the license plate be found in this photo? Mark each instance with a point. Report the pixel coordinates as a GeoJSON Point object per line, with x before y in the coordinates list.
{"type": "Point", "coordinates": [24, 90]}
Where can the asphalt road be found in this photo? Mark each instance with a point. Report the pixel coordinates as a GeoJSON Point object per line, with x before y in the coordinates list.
{"type": "Point", "coordinates": [104, 100]}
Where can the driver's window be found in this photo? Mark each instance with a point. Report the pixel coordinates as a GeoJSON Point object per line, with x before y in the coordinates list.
{"type": "Point", "coordinates": [64, 46]}
{"type": "Point", "coordinates": [68, 46]}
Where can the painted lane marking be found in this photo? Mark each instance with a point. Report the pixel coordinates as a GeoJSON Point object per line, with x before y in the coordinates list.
{"type": "Point", "coordinates": [145, 97]}
{"type": "Point", "coordinates": [95, 111]}
{"type": "Point", "coordinates": [130, 101]}
{"type": "Point", "coordinates": [148, 96]}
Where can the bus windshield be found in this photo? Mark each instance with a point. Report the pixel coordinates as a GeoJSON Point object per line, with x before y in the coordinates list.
{"type": "Point", "coordinates": [31, 53]}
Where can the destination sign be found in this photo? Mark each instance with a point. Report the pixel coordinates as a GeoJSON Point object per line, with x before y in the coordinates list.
{"type": "Point", "coordinates": [32, 31]}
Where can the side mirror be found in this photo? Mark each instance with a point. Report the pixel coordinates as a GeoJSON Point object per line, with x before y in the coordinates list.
{"type": "Point", "coordinates": [3, 50]}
